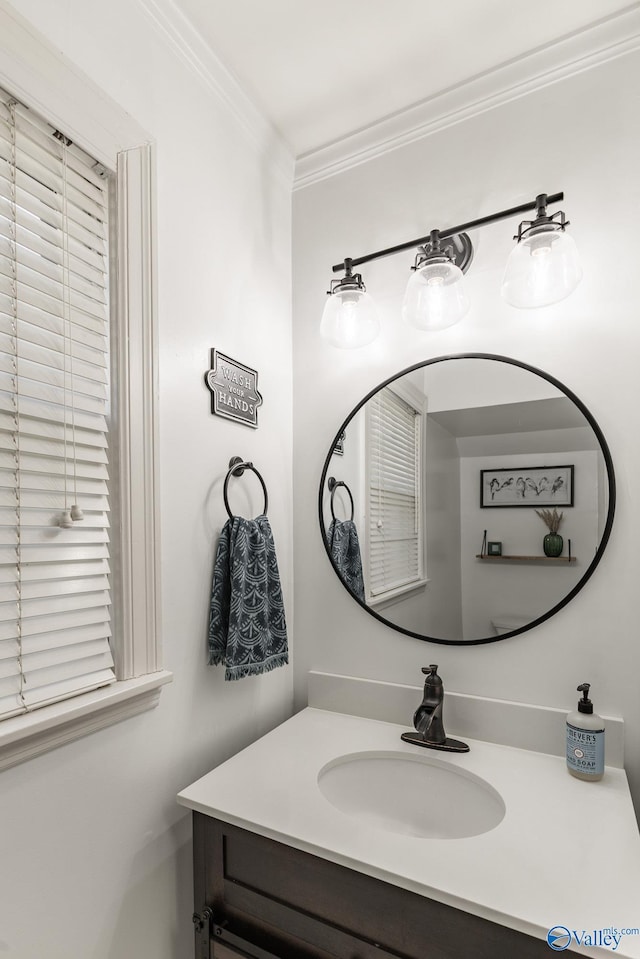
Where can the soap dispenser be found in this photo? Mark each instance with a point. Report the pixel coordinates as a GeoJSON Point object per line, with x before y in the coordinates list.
{"type": "Point", "coordinates": [585, 739]}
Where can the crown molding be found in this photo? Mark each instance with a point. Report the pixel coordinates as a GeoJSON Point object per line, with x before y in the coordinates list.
{"type": "Point", "coordinates": [185, 41]}
{"type": "Point", "coordinates": [599, 43]}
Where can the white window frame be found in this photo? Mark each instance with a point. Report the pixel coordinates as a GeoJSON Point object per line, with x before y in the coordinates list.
{"type": "Point", "coordinates": [411, 395]}
{"type": "Point", "coordinates": [36, 74]}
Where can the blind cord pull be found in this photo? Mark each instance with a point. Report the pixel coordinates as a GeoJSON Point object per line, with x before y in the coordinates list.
{"type": "Point", "coordinates": [69, 516]}
{"type": "Point", "coordinates": [14, 304]}
{"type": "Point", "coordinates": [76, 512]}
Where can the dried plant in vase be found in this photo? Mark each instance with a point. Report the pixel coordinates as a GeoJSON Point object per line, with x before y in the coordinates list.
{"type": "Point", "coordinates": [552, 543]}
{"type": "Point", "coordinates": [551, 518]}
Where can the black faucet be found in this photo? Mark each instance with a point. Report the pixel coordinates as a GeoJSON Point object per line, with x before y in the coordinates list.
{"type": "Point", "coordinates": [427, 718]}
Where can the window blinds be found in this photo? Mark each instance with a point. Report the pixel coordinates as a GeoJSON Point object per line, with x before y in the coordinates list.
{"type": "Point", "coordinates": [54, 394]}
{"type": "Point", "coordinates": [395, 541]}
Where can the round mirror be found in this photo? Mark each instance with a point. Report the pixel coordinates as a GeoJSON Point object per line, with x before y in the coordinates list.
{"type": "Point", "coordinates": [467, 499]}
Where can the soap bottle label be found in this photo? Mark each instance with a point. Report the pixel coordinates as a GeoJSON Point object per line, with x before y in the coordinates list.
{"type": "Point", "coordinates": [585, 750]}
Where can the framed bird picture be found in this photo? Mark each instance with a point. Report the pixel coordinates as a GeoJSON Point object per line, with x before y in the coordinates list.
{"type": "Point", "coordinates": [537, 486]}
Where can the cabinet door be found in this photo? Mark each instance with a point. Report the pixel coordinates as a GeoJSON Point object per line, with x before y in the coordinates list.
{"type": "Point", "coordinates": [224, 952]}
{"type": "Point", "coordinates": [299, 906]}
{"type": "Point", "coordinates": [221, 950]}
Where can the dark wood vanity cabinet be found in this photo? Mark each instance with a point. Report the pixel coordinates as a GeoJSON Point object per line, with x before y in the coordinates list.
{"type": "Point", "coordinates": [262, 899]}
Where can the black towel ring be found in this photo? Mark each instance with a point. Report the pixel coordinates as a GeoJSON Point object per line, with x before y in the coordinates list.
{"type": "Point", "coordinates": [333, 484]}
{"type": "Point", "coordinates": [237, 466]}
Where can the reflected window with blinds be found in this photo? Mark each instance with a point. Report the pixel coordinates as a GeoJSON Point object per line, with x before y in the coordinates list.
{"type": "Point", "coordinates": [395, 553]}
{"type": "Point", "coordinates": [54, 408]}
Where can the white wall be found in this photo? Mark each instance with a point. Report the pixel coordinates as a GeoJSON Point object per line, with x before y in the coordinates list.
{"type": "Point", "coordinates": [442, 604]}
{"type": "Point", "coordinates": [95, 853]}
{"type": "Point", "coordinates": [579, 135]}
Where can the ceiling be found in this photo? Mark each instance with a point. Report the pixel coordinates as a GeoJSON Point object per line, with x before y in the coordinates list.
{"type": "Point", "coordinates": [556, 413]}
{"type": "Point", "coordinates": [322, 70]}
{"type": "Point", "coordinates": [553, 425]}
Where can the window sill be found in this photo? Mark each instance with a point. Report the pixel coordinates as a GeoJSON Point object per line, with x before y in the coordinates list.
{"type": "Point", "coordinates": [29, 735]}
{"type": "Point", "coordinates": [397, 595]}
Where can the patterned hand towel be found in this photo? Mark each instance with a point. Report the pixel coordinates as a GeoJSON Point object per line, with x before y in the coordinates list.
{"type": "Point", "coordinates": [247, 628]}
{"type": "Point", "coordinates": [345, 553]}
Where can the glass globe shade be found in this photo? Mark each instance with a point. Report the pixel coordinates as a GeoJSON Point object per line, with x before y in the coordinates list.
{"type": "Point", "coordinates": [543, 268]}
{"type": "Point", "coordinates": [349, 319]}
{"type": "Point", "coordinates": [435, 297]}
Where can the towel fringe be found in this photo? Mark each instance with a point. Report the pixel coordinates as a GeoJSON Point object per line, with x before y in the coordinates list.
{"type": "Point", "coordinates": [255, 669]}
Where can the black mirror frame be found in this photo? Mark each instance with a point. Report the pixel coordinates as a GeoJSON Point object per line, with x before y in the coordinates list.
{"type": "Point", "coordinates": [610, 512]}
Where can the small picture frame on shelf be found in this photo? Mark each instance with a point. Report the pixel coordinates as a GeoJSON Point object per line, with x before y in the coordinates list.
{"type": "Point", "coordinates": [494, 549]}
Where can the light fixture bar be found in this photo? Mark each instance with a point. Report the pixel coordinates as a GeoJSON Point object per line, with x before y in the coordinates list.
{"type": "Point", "coordinates": [472, 224]}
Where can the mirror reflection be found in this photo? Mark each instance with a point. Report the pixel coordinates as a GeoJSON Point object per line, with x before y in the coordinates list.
{"type": "Point", "coordinates": [467, 499]}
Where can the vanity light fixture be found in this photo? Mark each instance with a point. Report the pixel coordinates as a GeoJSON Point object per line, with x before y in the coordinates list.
{"type": "Point", "coordinates": [435, 296]}
{"type": "Point", "coordinates": [350, 318]}
{"type": "Point", "coordinates": [543, 268]}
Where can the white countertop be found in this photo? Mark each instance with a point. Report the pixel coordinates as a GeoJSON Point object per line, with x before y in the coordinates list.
{"type": "Point", "coordinates": [566, 853]}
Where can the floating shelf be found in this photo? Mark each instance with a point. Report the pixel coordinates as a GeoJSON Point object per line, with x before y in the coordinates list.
{"type": "Point", "coordinates": [526, 559]}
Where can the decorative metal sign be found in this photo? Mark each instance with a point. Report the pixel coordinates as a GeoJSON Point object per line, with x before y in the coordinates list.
{"type": "Point", "coordinates": [234, 389]}
{"type": "Point", "coordinates": [339, 447]}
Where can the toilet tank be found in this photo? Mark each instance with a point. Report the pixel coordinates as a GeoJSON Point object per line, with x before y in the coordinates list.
{"type": "Point", "coordinates": [507, 622]}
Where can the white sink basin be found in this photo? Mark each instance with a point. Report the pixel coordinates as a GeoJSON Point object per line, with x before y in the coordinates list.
{"type": "Point", "coordinates": [414, 795]}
